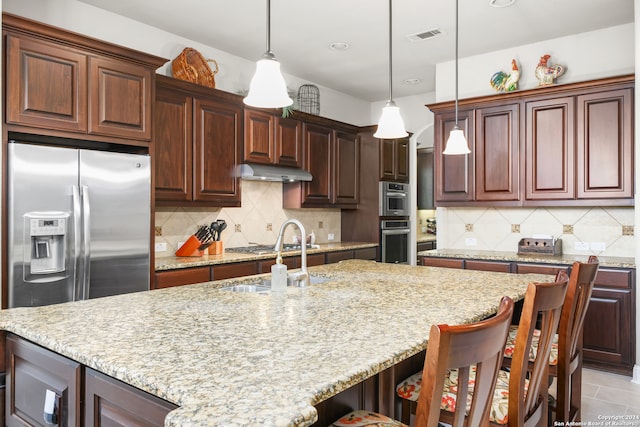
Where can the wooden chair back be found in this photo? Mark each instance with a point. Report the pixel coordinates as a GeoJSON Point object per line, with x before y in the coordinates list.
{"type": "Point", "coordinates": [570, 335]}
{"type": "Point", "coordinates": [542, 307]}
{"type": "Point", "coordinates": [463, 346]}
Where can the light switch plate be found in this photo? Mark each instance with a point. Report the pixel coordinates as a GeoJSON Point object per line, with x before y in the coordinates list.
{"type": "Point", "coordinates": [598, 246]}
{"type": "Point", "coordinates": [331, 236]}
{"type": "Point", "coordinates": [161, 247]}
{"type": "Point", "coordinates": [470, 241]}
{"type": "Point", "coordinates": [582, 246]}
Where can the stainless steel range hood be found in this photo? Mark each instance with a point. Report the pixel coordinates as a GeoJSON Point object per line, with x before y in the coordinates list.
{"type": "Point", "coordinates": [256, 172]}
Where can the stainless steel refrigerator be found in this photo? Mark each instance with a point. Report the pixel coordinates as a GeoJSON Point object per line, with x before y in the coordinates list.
{"type": "Point", "coordinates": [78, 224]}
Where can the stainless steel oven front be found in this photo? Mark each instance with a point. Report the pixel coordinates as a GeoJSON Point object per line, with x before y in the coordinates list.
{"type": "Point", "coordinates": [394, 241]}
{"type": "Point", "coordinates": [394, 199]}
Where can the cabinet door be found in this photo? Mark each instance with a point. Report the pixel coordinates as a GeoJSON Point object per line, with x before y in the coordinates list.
{"type": "Point", "coordinates": [109, 402]}
{"type": "Point", "coordinates": [218, 135]}
{"type": "Point", "coordinates": [173, 146]}
{"type": "Point", "coordinates": [387, 160]}
{"type": "Point", "coordinates": [605, 145]}
{"type": "Point", "coordinates": [120, 98]}
{"type": "Point", "coordinates": [31, 372]}
{"type": "Point", "coordinates": [608, 325]}
{"type": "Point", "coordinates": [454, 173]}
{"type": "Point", "coordinates": [333, 257]}
{"type": "Point", "coordinates": [238, 269]}
{"type": "Point", "coordinates": [402, 160]}
{"type": "Point", "coordinates": [288, 142]}
{"type": "Point", "coordinates": [442, 262]}
{"type": "Point", "coordinates": [549, 150]}
{"type": "Point", "coordinates": [46, 85]}
{"type": "Point", "coordinates": [347, 169]}
{"type": "Point", "coordinates": [318, 157]}
{"type": "Point", "coordinates": [497, 153]}
{"type": "Point", "coordinates": [258, 137]}
{"type": "Point", "coordinates": [424, 179]}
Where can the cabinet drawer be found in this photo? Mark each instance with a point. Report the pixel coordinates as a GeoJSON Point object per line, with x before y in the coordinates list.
{"type": "Point", "coordinates": [338, 256]}
{"type": "Point", "coordinates": [442, 262]}
{"type": "Point", "coordinates": [366, 253]}
{"type": "Point", "coordinates": [186, 276]}
{"type": "Point", "coordinates": [315, 259]}
{"type": "Point", "coordinates": [500, 267]}
{"type": "Point", "coordinates": [539, 268]}
{"type": "Point", "coordinates": [290, 262]}
{"type": "Point", "coordinates": [229, 271]}
{"type": "Point", "coordinates": [606, 278]}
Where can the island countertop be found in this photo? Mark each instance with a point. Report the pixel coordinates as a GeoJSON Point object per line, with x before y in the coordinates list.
{"type": "Point", "coordinates": [242, 359]}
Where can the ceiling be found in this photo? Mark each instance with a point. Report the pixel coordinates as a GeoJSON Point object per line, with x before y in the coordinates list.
{"type": "Point", "coordinates": [302, 30]}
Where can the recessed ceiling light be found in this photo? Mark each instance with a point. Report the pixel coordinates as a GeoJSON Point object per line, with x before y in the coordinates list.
{"type": "Point", "coordinates": [501, 3]}
{"type": "Point", "coordinates": [412, 81]}
{"type": "Point", "coordinates": [339, 46]}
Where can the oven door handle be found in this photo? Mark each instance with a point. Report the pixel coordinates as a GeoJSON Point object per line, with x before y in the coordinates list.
{"type": "Point", "coordinates": [396, 231]}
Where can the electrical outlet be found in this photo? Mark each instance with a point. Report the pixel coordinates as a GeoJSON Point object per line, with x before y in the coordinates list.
{"type": "Point", "coordinates": [470, 241]}
{"type": "Point", "coordinates": [598, 246]}
{"type": "Point", "coordinates": [582, 246]}
{"type": "Point", "coordinates": [331, 236]}
{"type": "Point", "coordinates": [161, 247]}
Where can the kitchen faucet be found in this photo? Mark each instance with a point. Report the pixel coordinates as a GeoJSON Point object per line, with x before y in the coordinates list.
{"type": "Point", "coordinates": [301, 277]}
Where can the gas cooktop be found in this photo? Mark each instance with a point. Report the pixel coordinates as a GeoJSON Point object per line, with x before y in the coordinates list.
{"type": "Point", "coordinates": [265, 249]}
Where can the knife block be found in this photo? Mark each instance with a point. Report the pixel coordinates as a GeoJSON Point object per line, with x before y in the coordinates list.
{"type": "Point", "coordinates": [190, 248]}
{"type": "Point", "coordinates": [216, 248]}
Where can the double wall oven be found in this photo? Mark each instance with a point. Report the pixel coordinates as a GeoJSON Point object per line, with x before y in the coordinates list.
{"type": "Point", "coordinates": [394, 222]}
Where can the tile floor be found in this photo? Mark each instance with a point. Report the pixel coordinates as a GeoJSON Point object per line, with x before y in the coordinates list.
{"type": "Point", "coordinates": [605, 394]}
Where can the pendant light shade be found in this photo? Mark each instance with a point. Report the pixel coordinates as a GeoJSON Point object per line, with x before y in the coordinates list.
{"type": "Point", "coordinates": [267, 88]}
{"type": "Point", "coordinates": [457, 143]}
{"type": "Point", "coordinates": [391, 125]}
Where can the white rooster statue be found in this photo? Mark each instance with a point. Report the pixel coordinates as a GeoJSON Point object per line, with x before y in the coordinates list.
{"type": "Point", "coordinates": [503, 82]}
{"type": "Point", "coordinates": [546, 74]}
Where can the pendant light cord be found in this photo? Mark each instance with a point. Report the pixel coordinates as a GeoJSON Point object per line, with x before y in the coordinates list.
{"type": "Point", "coordinates": [268, 25]}
{"type": "Point", "coordinates": [456, 63]}
{"type": "Point", "coordinates": [390, 56]}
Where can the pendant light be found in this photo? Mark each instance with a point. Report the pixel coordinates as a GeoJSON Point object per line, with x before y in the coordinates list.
{"type": "Point", "coordinates": [457, 143]}
{"type": "Point", "coordinates": [390, 125]}
{"type": "Point", "coordinates": [267, 88]}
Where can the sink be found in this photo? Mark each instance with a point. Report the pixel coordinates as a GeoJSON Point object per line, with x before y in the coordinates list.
{"type": "Point", "coordinates": [250, 288]}
{"type": "Point", "coordinates": [264, 285]}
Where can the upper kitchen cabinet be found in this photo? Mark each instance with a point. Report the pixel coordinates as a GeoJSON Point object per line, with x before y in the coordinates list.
{"type": "Point", "coordinates": [332, 157]}
{"type": "Point", "coordinates": [394, 160]}
{"type": "Point", "coordinates": [566, 145]}
{"type": "Point", "coordinates": [63, 84]}
{"type": "Point", "coordinates": [197, 145]}
{"type": "Point", "coordinates": [271, 139]}
{"type": "Point", "coordinates": [424, 160]}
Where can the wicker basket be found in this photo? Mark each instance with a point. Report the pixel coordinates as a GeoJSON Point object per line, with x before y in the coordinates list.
{"type": "Point", "coordinates": [191, 66]}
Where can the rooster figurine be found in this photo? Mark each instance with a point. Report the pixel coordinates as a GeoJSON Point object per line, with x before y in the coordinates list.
{"type": "Point", "coordinates": [546, 74]}
{"type": "Point", "coordinates": [503, 82]}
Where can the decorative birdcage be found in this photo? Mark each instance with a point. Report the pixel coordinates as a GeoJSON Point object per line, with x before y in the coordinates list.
{"type": "Point", "coordinates": [309, 99]}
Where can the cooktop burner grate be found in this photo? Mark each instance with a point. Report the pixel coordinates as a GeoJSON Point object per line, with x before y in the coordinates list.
{"type": "Point", "coordinates": [264, 249]}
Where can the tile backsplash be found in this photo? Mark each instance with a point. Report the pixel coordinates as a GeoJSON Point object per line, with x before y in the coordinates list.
{"type": "Point", "coordinates": [605, 231]}
{"type": "Point", "coordinates": [257, 221]}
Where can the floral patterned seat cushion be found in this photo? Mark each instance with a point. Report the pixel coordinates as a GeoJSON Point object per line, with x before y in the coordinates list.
{"type": "Point", "coordinates": [366, 419]}
{"type": "Point", "coordinates": [511, 345]}
{"type": "Point", "coordinates": [410, 389]}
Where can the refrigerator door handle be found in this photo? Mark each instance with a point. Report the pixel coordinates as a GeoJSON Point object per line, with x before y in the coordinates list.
{"type": "Point", "coordinates": [77, 231]}
{"type": "Point", "coordinates": [86, 243]}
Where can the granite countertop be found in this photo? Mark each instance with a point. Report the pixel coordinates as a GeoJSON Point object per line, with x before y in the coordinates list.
{"type": "Point", "coordinates": [243, 359]}
{"type": "Point", "coordinates": [620, 262]}
{"type": "Point", "coordinates": [174, 262]}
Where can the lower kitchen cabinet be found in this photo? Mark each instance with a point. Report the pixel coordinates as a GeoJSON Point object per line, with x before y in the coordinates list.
{"type": "Point", "coordinates": [32, 371]}
{"type": "Point", "coordinates": [237, 269]}
{"type": "Point", "coordinates": [109, 402]}
{"type": "Point", "coordinates": [609, 325]}
{"type": "Point", "coordinates": [183, 276]}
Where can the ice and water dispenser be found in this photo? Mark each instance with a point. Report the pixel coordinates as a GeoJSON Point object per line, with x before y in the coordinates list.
{"type": "Point", "coordinates": [45, 246]}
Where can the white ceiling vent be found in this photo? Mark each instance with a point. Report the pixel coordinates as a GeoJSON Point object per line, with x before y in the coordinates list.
{"type": "Point", "coordinates": [429, 34]}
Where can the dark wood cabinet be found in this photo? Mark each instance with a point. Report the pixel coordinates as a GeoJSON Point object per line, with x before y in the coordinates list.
{"type": "Point", "coordinates": [609, 325]}
{"type": "Point", "coordinates": [65, 84]}
{"type": "Point", "coordinates": [571, 146]}
{"type": "Point", "coordinates": [182, 276]}
{"type": "Point", "coordinates": [394, 160]}
{"type": "Point", "coordinates": [109, 402]}
{"type": "Point", "coordinates": [32, 371]}
{"type": "Point", "coordinates": [271, 139]}
{"type": "Point", "coordinates": [197, 145]}
{"type": "Point", "coordinates": [332, 157]}
{"type": "Point", "coordinates": [424, 179]}
{"type": "Point", "coordinates": [497, 156]}
{"type": "Point", "coordinates": [550, 149]}
{"type": "Point", "coordinates": [236, 269]}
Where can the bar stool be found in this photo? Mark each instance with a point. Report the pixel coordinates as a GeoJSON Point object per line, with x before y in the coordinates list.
{"type": "Point", "coordinates": [474, 352]}
{"type": "Point", "coordinates": [565, 362]}
{"type": "Point", "coordinates": [519, 394]}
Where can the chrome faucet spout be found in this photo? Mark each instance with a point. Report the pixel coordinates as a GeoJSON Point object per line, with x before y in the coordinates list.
{"type": "Point", "coordinates": [301, 277]}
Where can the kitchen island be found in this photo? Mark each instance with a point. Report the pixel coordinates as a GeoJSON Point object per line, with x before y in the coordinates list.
{"type": "Point", "coordinates": [249, 359]}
